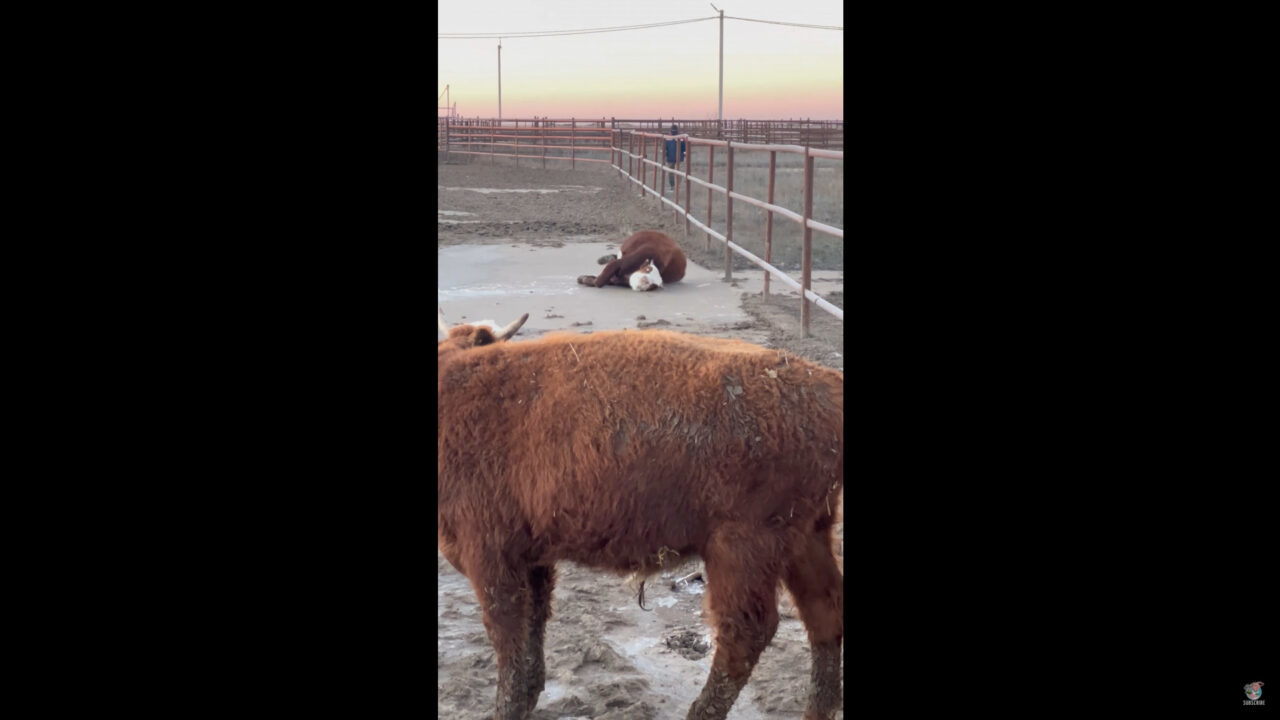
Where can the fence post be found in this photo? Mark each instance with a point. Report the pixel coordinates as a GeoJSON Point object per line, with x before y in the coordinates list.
{"type": "Point", "coordinates": [662, 181]}
{"type": "Point", "coordinates": [446, 141]}
{"type": "Point", "coordinates": [688, 186]}
{"type": "Point", "coordinates": [728, 221]}
{"type": "Point", "coordinates": [542, 139]}
{"type": "Point", "coordinates": [675, 213]}
{"type": "Point", "coordinates": [807, 248]}
{"type": "Point", "coordinates": [493, 142]}
{"type": "Point", "coordinates": [517, 144]}
{"type": "Point", "coordinates": [711, 178]}
{"type": "Point", "coordinates": [657, 155]}
{"type": "Point", "coordinates": [644, 169]}
{"type": "Point", "coordinates": [768, 224]}
{"type": "Point", "coordinates": [573, 132]}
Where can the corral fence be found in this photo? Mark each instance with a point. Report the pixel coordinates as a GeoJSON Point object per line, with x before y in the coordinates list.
{"type": "Point", "coordinates": [639, 157]}
{"type": "Point", "coordinates": [635, 149]}
{"type": "Point", "coordinates": [581, 139]}
{"type": "Point", "coordinates": [536, 140]}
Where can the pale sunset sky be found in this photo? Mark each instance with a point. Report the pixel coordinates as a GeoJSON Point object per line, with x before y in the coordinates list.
{"type": "Point", "coordinates": [771, 72]}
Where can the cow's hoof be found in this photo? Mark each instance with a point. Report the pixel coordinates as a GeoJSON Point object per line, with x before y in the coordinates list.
{"type": "Point", "coordinates": [605, 260]}
{"type": "Point", "coordinates": [587, 280]}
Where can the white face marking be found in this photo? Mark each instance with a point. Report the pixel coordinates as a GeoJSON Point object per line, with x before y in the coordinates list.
{"type": "Point", "coordinates": [641, 280]}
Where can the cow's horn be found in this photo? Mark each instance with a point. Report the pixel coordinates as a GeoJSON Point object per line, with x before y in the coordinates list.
{"type": "Point", "coordinates": [506, 332]}
{"type": "Point", "coordinates": [444, 326]}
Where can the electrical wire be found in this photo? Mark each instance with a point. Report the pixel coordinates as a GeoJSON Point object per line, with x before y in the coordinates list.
{"type": "Point", "coordinates": [556, 33]}
{"type": "Point", "coordinates": [775, 22]}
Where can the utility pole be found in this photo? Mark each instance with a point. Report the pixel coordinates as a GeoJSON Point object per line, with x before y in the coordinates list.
{"type": "Point", "coordinates": [720, 111]}
{"type": "Point", "coordinates": [499, 81]}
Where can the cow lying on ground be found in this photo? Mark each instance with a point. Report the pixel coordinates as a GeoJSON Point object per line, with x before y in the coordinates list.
{"type": "Point", "coordinates": [620, 450]}
{"type": "Point", "coordinates": [654, 255]}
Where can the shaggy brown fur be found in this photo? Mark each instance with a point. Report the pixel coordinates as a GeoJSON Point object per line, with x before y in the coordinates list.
{"type": "Point", "coordinates": [618, 450]}
{"type": "Point", "coordinates": [642, 246]}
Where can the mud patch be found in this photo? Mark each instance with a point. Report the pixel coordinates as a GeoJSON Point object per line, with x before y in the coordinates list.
{"type": "Point", "coordinates": [781, 316]}
{"type": "Point", "coordinates": [689, 644]}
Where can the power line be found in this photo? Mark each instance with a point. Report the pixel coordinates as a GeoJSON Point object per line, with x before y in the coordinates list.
{"type": "Point", "coordinates": [775, 22]}
{"type": "Point", "coordinates": [555, 33]}
{"type": "Point", "coordinates": [619, 28]}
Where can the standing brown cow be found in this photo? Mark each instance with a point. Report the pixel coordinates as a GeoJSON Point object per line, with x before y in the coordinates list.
{"type": "Point", "coordinates": [642, 253]}
{"type": "Point", "coordinates": [618, 449]}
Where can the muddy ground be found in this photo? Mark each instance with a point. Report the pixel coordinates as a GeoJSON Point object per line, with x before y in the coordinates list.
{"type": "Point", "coordinates": [606, 657]}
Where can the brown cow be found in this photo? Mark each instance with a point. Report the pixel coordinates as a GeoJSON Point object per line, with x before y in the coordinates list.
{"type": "Point", "coordinates": [645, 250]}
{"type": "Point", "coordinates": [622, 449]}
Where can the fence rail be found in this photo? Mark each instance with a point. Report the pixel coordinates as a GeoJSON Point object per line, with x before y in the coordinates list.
{"type": "Point", "coordinates": [540, 142]}
{"type": "Point", "coordinates": [827, 134]}
{"type": "Point", "coordinates": [632, 151]}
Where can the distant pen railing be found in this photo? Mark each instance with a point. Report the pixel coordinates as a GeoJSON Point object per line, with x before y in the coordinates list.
{"type": "Point", "coordinates": [636, 148]}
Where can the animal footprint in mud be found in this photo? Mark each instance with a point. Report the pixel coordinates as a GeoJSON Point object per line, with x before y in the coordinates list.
{"type": "Point", "coordinates": [659, 321]}
{"type": "Point", "coordinates": [580, 324]}
{"type": "Point", "coordinates": [549, 316]}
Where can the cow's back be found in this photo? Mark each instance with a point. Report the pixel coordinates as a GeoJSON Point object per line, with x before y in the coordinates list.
{"type": "Point", "coordinates": [604, 443]}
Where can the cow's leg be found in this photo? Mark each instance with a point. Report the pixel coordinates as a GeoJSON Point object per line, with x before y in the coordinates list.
{"type": "Point", "coordinates": [608, 274]}
{"type": "Point", "coordinates": [818, 589]}
{"type": "Point", "coordinates": [742, 565]}
{"type": "Point", "coordinates": [593, 281]}
{"type": "Point", "coordinates": [505, 599]}
{"type": "Point", "coordinates": [542, 581]}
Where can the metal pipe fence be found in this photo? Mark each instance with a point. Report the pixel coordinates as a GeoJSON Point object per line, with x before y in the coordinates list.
{"type": "Point", "coordinates": [637, 154]}
{"type": "Point", "coordinates": [627, 146]}
{"type": "Point", "coordinates": [828, 134]}
{"type": "Point", "coordinates": [530, 139]}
